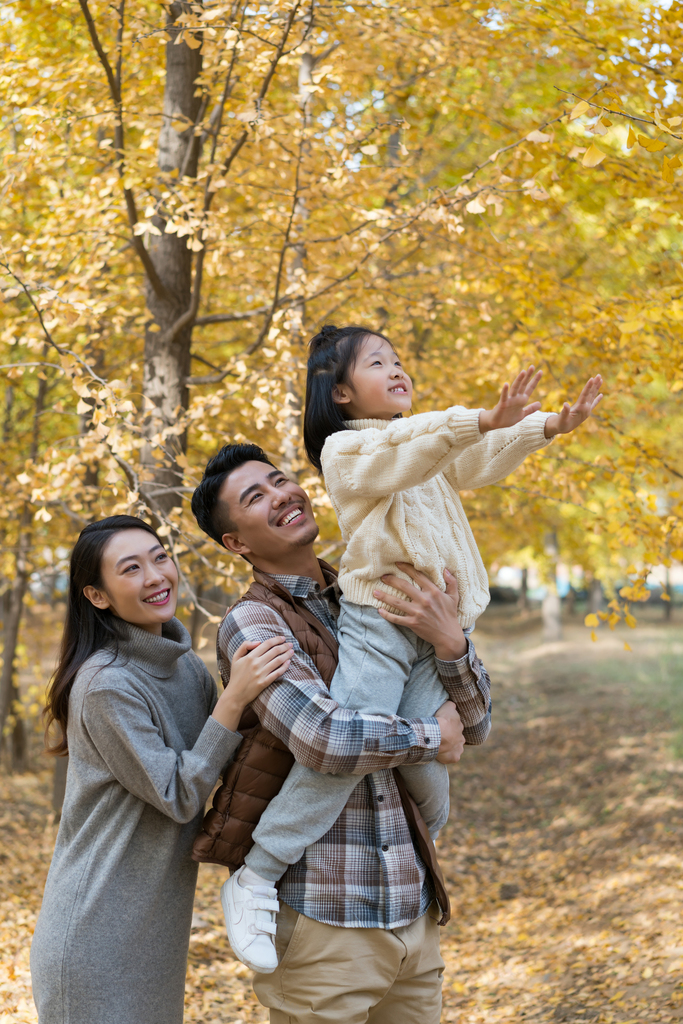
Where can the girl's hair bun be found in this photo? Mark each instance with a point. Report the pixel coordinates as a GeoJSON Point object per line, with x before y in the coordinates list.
{"type": "Point", "coordinates": [327, 335]}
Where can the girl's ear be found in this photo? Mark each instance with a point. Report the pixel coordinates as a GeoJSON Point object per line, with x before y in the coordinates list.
{"type": "Point", "coordinates": [340, 394]}
{"type": "Point", "coordinates": [97, 597]}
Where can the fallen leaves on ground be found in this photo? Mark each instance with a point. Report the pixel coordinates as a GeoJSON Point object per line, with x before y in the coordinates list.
{"type": "Point", "coordinates": [563, 856]}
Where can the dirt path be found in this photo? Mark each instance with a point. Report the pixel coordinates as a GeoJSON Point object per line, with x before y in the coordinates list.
{"type": "Point", "coordinates": [564, 855]}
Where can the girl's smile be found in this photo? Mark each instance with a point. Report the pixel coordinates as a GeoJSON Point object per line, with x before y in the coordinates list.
{"type": "Point", "coordinates": [379, 387]}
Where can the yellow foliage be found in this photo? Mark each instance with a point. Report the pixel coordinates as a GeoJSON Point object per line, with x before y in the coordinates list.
{"type": "Point", "coordinates": [424, 173]}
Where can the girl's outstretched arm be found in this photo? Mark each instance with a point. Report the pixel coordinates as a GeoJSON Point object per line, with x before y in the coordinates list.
{"type": "Point", "coordinates": [375, 462]}
{"type": "Point", "coordinates": [503, 450]}
{"type": "Point", "coordinates": [573, 416]}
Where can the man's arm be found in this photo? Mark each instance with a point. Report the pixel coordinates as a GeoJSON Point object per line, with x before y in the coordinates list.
{"type": "Point", "coordinates": [299, 711]}
{"type": "Point", "coordinates": [467, 683]}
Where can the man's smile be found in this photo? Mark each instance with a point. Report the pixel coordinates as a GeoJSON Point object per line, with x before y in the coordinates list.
{"type": "Point", "coordinates": [293, 515]}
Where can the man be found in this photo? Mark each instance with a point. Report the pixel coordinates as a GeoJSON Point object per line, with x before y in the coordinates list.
{"type": "Point", "coordinates": [357, 938]}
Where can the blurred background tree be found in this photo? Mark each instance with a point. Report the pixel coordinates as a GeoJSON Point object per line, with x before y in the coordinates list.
{"type": "Point", "coordinates": [190, 189]}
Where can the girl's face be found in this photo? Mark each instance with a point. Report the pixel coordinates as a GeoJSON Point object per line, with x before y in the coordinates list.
{"type": "Point", "coordinates": [379, 388]}
{"type": "Point", "coordinates": [139, 581]}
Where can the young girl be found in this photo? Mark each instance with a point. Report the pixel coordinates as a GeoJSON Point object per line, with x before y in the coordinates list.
{"type": "Point", "coordinates": [147, 739]}
{"type": "Point", "coordinates": [394, 487]}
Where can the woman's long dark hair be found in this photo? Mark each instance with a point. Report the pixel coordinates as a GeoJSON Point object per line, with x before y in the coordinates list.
{"type": "Point", "coordinates": [87, 629]}
{"type": "Point", "coordinates": [332, 355]}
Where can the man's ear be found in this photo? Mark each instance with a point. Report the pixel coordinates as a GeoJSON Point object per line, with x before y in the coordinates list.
{"type": "Point", "coordinates": [233, 544]}
{"type": "Point", "coordinates": [97, 597]}
{"type": "Point", "coordinates": [340, 394]}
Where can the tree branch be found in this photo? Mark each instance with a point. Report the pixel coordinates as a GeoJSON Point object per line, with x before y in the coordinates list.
{"type": "Point", "coordinates": [227, 318]}
{"type": "Point", "coordinates": [48, 336]}
{"type": "Point", "coordinates": [115, 91]}
{"type": "Point", "coordinates": [621, 56]}
{"type": "Point", "coordinates": [190, 313]}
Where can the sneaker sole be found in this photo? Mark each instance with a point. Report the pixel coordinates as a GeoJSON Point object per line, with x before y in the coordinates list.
{"type": "Point", "coordinates": [234, 944]}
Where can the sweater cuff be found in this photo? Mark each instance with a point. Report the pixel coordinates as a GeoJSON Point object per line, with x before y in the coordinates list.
{"type": "Point", "coordinates": [532, 429]}
{"type": "Point", "coordinates": [215, 744]}
{"type": "Point", "coordinates": [465, 424]}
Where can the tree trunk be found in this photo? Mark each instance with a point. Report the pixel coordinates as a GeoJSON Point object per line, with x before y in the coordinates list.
{"type": "Point", "coordinates": [552, 616]}
{"type": "Point", "coordinates": [14, 609]}
{"type": "Point", "coordinates": [292, 423]}
{"type": "Point", "coordinates": [552, 606]}
{"type": "Point", "coordinates": [667, 591]}
{"type": "Point", "coordinates": [19, 738]}
{"type": "Point", "coordinates": [523, 602]}
{"type": "Point", "coordinates": [167, 360]}
{"type": "Point", "coordinates": [198, 618]}
{"type": "Point", "coordinates": [596, 599]}
{"type": "Point", "coordinates": [15, 599]}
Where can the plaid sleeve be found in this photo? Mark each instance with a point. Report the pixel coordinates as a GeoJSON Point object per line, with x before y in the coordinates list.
{"type": "Point", "coordinates": [469, 687]}
{"type": "Point", "coordinates": [299, 711]}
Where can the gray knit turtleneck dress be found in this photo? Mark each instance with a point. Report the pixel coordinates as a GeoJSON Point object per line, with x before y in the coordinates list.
{"type": "Point", "coordinates": [111, 942]}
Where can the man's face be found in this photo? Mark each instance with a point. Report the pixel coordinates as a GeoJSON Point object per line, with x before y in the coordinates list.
{"type": "Point", "coordinates": [271, 514]}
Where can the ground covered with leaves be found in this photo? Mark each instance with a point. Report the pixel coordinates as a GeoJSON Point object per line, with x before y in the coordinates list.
{"type": "Point", "coordinates": [564, 855]}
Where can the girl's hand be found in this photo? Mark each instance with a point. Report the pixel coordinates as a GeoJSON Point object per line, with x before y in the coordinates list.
{"type": "Point", "coordinates": [254, 667]}
{"type": "Point", "coordinates": [571, 417]}
{"type": "Point", "coordinates": [513, 402]}
{"type": "Point", "coordinates": [429, 612]}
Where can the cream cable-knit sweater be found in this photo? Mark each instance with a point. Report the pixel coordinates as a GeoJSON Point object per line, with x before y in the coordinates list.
{"type": "Point", "coordinates": [394, 488]}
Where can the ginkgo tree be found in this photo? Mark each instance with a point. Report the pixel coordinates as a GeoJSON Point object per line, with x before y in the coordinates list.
{"type": "Point", "coordinates": [191, 188]}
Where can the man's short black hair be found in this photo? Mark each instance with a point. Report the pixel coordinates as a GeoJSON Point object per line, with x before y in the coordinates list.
{"type": "Point", "coordinates": [213, 516]}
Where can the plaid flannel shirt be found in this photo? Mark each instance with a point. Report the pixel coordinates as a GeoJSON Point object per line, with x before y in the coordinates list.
{"type": "Point", "coordinates": [364, 872]}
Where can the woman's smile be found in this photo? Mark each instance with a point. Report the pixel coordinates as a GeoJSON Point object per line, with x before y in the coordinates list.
{"type": "Point", "coordinates": [137, 570]}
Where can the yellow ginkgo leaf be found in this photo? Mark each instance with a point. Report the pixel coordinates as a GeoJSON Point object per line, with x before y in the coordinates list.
{"type": "Point", "coordinates": [593, 156]}
{"type": "Point", "coordinates": [631, 326]}
{"type": "Point", "coordinates": [591, 620]}
{"type": "Point", "coordinates": [627, 647]}
{"type": "Point", "coordinates": [651, 145]}
{"type": "Point", "coordinates": [475, 206]}
{"type": "Point", "coordinates": [580, 108]}
{"type": "Point", "coordinates": [631, 138]}
{"type": "Point", "coordinates": [537, 136]}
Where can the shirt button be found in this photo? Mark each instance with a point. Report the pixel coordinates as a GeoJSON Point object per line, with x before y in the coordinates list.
{"type": "Point", "coordinates": [385, 847]}
{"type": "Point", "coordinates": [428, 739]}
{"type": "Point", "coordinates": [380, 799]}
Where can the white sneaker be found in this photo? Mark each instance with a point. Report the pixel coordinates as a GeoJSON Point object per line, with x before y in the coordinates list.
{"type": "Point", "coordinates": [250, 919]}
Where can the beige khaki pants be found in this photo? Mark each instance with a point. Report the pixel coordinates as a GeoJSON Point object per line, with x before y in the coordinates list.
{"type": "Point", "coordinates": [353, 975]}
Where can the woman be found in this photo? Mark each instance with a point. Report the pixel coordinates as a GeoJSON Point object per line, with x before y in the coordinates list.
{"type": "Point", "coordinates": [147, 740]}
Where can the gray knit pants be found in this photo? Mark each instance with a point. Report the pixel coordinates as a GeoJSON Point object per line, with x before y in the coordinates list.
{"type": "Point", "coordinates": [383, 669]}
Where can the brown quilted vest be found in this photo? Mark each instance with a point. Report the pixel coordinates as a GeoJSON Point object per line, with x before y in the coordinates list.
{"type": "Point", "coordinates": [262, 762]}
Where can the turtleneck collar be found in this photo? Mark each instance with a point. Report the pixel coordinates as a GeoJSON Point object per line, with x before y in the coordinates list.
{"type": "Point", "coordinates": [367, 424]}
{"type": "Point", "coordinates": [157, 655]}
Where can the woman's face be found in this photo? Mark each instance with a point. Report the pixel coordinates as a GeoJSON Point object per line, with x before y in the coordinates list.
{"type": "Point", "coordinates": [139, 581]}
